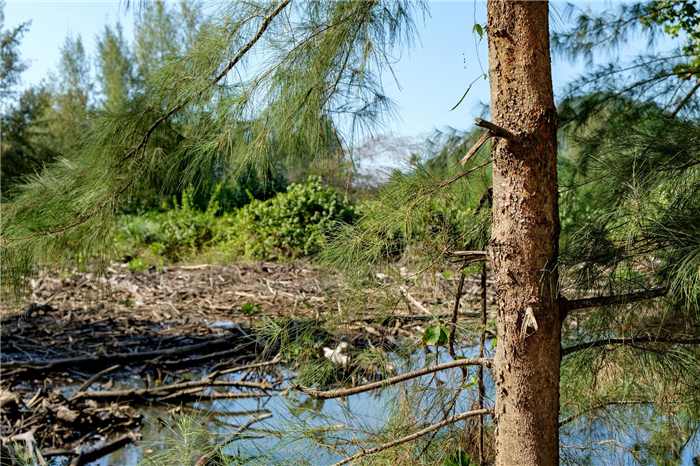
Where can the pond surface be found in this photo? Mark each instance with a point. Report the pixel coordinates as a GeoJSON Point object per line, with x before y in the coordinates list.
{"type": "Point", "coordinates": [360, 415]}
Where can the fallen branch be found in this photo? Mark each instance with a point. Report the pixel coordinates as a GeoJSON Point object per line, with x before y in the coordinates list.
{"type": "Point", "coordinates": [205, 459]}
{"type": "Point", "coordinates": [103, 450]}
{"type": "Point", "coordinates": [119, 358]}
{"type": "Point", "coordinates": [327, 394]}
{"type": "Point", "coordinates": [417, 304]}
{"type": "Point", "coordinates": [420, 433]}
{"type": "Point", "coordinates": [95, 378]}
{"type": "Point", "coordinates": [629, 341]}
{"type": "Point", "coordinates": [168, 390]}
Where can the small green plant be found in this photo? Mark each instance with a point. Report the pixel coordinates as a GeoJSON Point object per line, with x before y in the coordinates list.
{"type": "Point", "coordinates": [458, 458]}
{"type": "Point", "coordinates": [137, 265]}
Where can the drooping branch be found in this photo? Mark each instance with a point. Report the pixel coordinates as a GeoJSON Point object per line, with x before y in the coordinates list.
{"type": "Point", "coordinates": [685, 100]}
{"type": "Point", "coordinates": [141, 145]}
{"type": "Point", "coordinates": [629, 341]}
{"type": "Point", "coordinates": [327, 394]}
{"type": "Point", "coordinates": [463, 174]}
{"type": "Point", "coordinates": [408, 438]}
{"type": "Point", "coordinates": [566, 305]}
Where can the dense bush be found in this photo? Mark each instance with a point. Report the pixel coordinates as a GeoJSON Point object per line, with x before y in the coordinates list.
{"type": "Point", "coordinates": [291, 224]}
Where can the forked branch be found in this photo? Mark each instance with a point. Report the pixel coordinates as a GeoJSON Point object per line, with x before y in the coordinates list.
{"type": "Point", "coordinates": [327, 394]}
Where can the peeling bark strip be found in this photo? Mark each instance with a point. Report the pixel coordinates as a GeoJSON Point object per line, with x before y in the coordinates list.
{"type": "Point", "coordinates": [525, 234]}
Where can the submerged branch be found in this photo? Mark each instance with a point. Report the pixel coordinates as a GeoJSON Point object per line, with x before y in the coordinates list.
{"type": "Point", "coordinates": [327, 394]}
{"type": "Point", "coordinates": [420, 433]}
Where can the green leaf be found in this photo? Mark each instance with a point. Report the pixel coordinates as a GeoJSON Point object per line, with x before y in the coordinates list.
{"type": "Point", "coordinates": [471, 269]}
{"type": "Point", "coordinates": [436, 336]}
{"type": "Point", "coordinates": [479, 30]}
{"type": "Point", "coordinates": [473, 381]}
{"type": "Point", "coordinates": [460, 100]}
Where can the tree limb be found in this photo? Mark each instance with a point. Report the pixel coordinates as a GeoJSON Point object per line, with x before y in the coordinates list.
{"type": "Point", "coordinates": [627, 341]}
{"type": "Point", "coordinates": [394, 380]}
{"type": "Point", "coordinates": [482, 140]}
{"type": "Point", "coordinates": [495, 129]}
{"type": "Point", "coordinates": [566, 305]}
{"type": "Point", "coordinates": [575, 416]}
{"type": "Point", "coordinates": [408, 438]}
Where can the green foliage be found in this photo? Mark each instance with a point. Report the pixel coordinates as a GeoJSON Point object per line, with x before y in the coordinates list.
{"type": "Point", "coordinates": [137, 265]}
{"type": "Point", "coordinates": [11, 63]}
{"type": "Point", "coordinates": [250, 308]}
{"type": "Point", "coordinates": [291, 224]}
{"type": "Point", "coordinates": [435, 335]}
{"type": "Point", "coordinates": [678, 18]}
{"type": "Point", "coordinates": [458, 458]}
{"type": "Point", "coordinates": [180, 232]}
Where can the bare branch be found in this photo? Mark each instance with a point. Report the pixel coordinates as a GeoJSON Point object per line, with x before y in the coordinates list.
{"type": "Point", "coordinates": [482, 140]}
{"type": "Point", "coordinates": [629, 341]}
{"type": "Point", "coordinates": [420, 433]}
{"type": "Point", "coordinates": [394, 380]}
{"type": "Point", "coordinates": [685, 100]}
{"type": "Point", "coordinates": [495, 129]}
{"type": "Point", "coordinates": [566, 305]}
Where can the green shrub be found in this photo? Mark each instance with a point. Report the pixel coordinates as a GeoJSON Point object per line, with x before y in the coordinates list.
{"type": "Point", "coordinates": [289, 225]}
{"type": "Point", "coordinates": [182, 231]}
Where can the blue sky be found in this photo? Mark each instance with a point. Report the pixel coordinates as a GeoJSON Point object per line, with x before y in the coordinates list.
{"type": "Point", "coordinates": [433, 76]}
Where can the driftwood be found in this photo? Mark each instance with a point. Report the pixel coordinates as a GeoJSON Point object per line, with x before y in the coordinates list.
{"type": "Point", "coordinates": [95, 361]}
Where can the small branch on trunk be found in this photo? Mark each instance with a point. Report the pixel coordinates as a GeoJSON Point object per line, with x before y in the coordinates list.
{"type": "Point", "coordinates": [476, 255]}
{"type": "Point", "coordinates": [566, 305]}
{"type": "Point", "coordinates": [463, 174]}
{"type": "Point", "coordinates": [394, 380]}
{"type": "Point", "coordinates": [495, 129]}
{"type": "Point", "coordinates": [629, 341]}
{"type": "Point", "coordinates": [420, 433]}
{"type": "Point", "coordinates": [482, 140]}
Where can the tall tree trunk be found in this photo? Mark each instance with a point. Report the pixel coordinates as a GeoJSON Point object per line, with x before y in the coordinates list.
{"type": "Point", "coordinates": [525, 234]}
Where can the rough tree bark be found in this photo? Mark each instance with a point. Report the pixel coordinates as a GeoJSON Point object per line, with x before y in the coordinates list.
{"type": "Point", "coordinates": [525, 234]}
